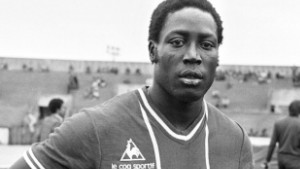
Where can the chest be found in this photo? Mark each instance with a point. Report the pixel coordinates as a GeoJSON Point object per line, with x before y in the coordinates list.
{"type": "Point", "coordinates": [134, 147]}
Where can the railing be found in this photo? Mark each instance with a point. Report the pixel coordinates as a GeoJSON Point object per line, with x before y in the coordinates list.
{"type": "Point", "coordinates": [20, 135]}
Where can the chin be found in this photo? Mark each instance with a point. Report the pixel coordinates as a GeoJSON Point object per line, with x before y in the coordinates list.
{"type": "Point", "coordinates": [189, 96]}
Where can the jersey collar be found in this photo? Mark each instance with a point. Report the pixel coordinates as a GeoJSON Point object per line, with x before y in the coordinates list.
{"type": "Point", "coordinates": [159, 120]}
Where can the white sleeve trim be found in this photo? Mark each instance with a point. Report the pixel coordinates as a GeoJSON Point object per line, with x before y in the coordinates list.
{"type": "Point", "coordinates": [28, 161]}
{"type": "Point", "coordinates": [32, 161]}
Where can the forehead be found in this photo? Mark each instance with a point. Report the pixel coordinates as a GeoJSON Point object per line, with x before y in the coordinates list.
{"type": "Point", "coordinates": [190, 19]}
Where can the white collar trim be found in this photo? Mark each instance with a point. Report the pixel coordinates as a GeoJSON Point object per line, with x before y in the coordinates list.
{"type": "Point", "coordinates": [160, 121]}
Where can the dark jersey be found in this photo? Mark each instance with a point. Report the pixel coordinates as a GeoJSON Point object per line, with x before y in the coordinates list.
{"type": "Point", "coordinates": [286, 133]}
{"type": "Point", "coordinates": [128, 132]}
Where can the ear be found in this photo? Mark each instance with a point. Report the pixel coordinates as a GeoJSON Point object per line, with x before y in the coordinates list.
{"type": "Point", "coordinates": [152, 47]}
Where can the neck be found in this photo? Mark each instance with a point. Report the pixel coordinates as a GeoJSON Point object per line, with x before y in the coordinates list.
{"type": "Point", "coordinates": [179, 113]}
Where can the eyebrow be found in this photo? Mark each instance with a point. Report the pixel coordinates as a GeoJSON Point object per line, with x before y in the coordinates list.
{"type": "Point", "coordinates": [180, 32]}
{"type": "Point", "coordinates": [186, 34]}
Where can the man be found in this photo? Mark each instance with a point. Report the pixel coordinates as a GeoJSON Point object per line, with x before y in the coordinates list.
{"type": "Point", "coordinates": [73, 81]}
{"type": "Point", "coordinates": [286, 132]}
{"type": "Point", "coordinates": [52, 121]}
{"type": "Point", "coordinates": [167, 125]}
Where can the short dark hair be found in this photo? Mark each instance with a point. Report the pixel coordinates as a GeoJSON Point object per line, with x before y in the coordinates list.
{"type": "Point", "coordinates": [161, 12]}
{"type": "Point", "coordinates": [55, 104]}
{"type": "Point", "coordinates": [294, 108]}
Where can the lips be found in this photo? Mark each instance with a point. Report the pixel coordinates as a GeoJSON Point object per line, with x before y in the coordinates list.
{"type": "Point", "coordinates": [192, 78]}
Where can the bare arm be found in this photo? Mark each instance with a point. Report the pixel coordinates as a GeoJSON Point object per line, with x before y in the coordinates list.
{"type": "Point", "coordinates": [272, 145]}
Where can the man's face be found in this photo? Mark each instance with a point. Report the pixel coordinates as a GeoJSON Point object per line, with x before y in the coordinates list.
{"type": "Point", "coordinates": [187, 54]}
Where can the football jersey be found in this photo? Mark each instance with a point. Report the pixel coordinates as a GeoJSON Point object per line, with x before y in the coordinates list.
{"type": "Point", "coordinates": [129, 132]}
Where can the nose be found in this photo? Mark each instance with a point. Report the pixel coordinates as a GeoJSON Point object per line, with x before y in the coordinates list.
{"type": "Point", "coordinates": [192, 56]}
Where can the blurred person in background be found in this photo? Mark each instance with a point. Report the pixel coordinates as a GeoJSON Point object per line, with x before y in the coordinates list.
{"type": "Point", "coordinates": [286, 133]}
{"type": "Point", "coordinates": [73, 83]}
{"type": "Point", "coordinates": [49, 123]}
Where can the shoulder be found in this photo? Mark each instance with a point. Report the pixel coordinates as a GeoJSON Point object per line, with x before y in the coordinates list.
{"type": "Point", "coordinates": [222, 127]}
{"type": "Point", "coordinates": [105, 114]}
{"type": "Point", "coordinates": [111, 112]}
{"type": "Point", "coordinates": [220, 122]}
{"type": "Point", "coordinates": [116, 105]}
{"type": "Point", "coordinates": [282, 122]}
{"type": "Point", "coordinates": [229, 137]}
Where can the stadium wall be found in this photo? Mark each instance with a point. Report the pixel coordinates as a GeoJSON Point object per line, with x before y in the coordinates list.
{"type": "Point", "coordinates": [282, 70]}
{"type": "Point", "coordinates": [144, 68]}
{"type": "Point", "coordinates": [78, 66]}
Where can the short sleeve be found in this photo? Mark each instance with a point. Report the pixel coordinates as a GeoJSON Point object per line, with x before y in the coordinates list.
{"type": "Point", "coordinates": [72, 145]}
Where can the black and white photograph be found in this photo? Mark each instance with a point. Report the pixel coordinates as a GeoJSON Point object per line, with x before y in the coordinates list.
{"type": "Point", "coordinates": [149, 84]}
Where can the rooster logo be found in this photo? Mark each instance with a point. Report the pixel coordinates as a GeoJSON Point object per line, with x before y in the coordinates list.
{"type": "Point", "coordinates": [132, 152]}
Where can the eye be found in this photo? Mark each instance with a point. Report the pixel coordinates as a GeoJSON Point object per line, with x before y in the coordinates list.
{"type": "Point", "coordinates": [207, 45]}
{"type": "Point", "coordinates": [177, 42]}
